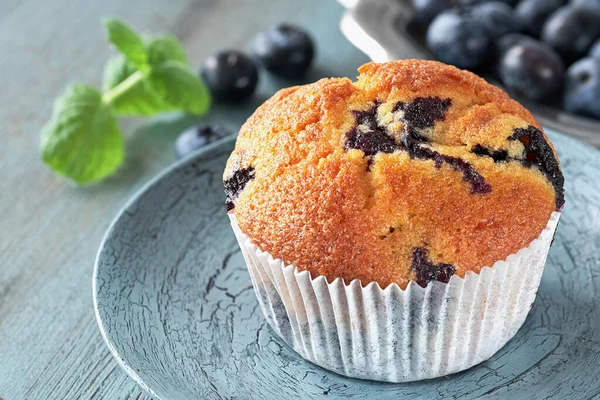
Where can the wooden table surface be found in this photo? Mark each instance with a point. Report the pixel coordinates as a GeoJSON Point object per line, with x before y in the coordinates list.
{"type": "Point", "coordinates": [50, 345]}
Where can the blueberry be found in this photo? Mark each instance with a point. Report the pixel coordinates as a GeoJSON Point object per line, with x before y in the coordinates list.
{"type": "Point", "coordinates": [531, 69]}
{"type": "Point", "coordinates": [426, 271]}
{"type": "Point", "coordinates": [571, 30]}
{"type": "Point", "coordinates": [230, 75]}
{"type": "Point", "coordinates": [370, 142]}
{"type": "Point", "coordinates": [235, 184]}
{"type": "Point", "coordinates": [459, 39]}
{"type": "Point", "coordinates": [533, 13]}
{"type": "Point", "coordinates": [587, 3]}
{"type": "Point", "coordinates": [537, 152]}
{"type": "Point", "coordinates": [284, 50]}
{"type": "Point", "coordinates": [426, 10]}
{"type": "Point", "coordinates": [498, 18]}
{"type": "Point", "coordinates": [412, 142]}
{"type": "Point", "coordinates": [368, 136]}
{"type": "Point", "coordinates": [475, 2]}
{"type": "Point", "coordinates": [505, 42]}
{"type": "Point", "coordinates": [196, 137]}
{"type": "Point", "coordinates": [496, 155]}
{"type": "Point", "coordinates": [423, 112]}
{"type": "Point", "coordinates": [595, 50]}
{"type": "Point", "coordinates": [582, 88]}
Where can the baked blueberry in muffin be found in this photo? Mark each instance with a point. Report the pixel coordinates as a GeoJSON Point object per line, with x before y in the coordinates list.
{"type": "Point", "coordinates": [416, 171]}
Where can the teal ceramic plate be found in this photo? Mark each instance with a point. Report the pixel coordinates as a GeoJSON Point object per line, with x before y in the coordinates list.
{"type": "Point", "coordinates": [175, 304]}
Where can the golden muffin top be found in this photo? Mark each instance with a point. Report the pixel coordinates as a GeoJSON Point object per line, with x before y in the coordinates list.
{"type": "Point", "coordinates": [416, 171]}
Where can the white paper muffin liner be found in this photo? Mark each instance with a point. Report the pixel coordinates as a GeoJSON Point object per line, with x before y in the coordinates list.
{"type": "Point", "coordinates": [397, 335]}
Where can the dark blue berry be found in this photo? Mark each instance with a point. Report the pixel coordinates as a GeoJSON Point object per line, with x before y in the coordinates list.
{"type": "Point", "coordinates": [427, 10]}
{"type": "Point", "coordinates": [423, 112]}
{"type": "Point", "coordinates": [537, 152]}
{"type": "Point", "coordinates": [427, 271]}
{"type": "Point", "coordinates": [498, 17]}
{"type": "Point", "coordinates": [285, 50]}
{"type": "Point", "coordinates": [496, 155]}
{"type": "Point", "coordinates": [230, 75]}
{"type": "Point", "coordinates": [587, 3]}
{"type": "Point", "coordinates": [459, 39]}
{"type": "Point", "coordinates": [368, 136]}
{"type": "Point", "coordinates": [196, 137]}
{"type": "Point", "coordinates": [413, 143]}
{"type": "Point", "coordinates": [571, 31]}
{"type": "Point", "coordinates": [370, 142]}
{"type": "Point", "coordinates": [235, 184]}
{"type": "Point", "coordinates": [532, 70]}
{"type": "Point", "coordinates": [475, 2]}
{"type": "Point", "coordinates": [504, 43]}
{"type": "Point", "coordinates": [595, 50]}
{"type": "Point", "coordinates": [533, 14]}
{"type": "Point", "coordinates": [582, 88]}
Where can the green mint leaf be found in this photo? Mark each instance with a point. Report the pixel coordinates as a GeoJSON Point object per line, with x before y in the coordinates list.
{"type": "Point", "coordinates": [82, 141]}
{"type": "Point", "coordinates": [116, 70]}
{"type": "Point", "coordinates": [164, 48]}
{"type": "Point", "coordinates": [128, 42]}
{"type": "Point", "coordinates": [140, 99]}
{"type": "Point", "coordinates": [179, 87]}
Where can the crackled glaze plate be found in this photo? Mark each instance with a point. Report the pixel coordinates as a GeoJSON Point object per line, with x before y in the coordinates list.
{"type": "Point", "coordinates": [176, 307]}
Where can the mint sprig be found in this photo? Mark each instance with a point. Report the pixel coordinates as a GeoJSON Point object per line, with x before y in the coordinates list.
{"type": "Point", "coordinates": [128, 42]}
{"type": "Point", "coordinates": [82, 140]}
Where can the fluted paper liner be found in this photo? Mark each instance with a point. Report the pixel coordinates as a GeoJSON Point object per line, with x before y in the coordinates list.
{"type": "Point", "coordinates": [397, 335]}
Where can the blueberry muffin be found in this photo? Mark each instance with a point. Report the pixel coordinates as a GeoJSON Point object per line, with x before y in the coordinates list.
{"type": "Point", "coordinates": [417, 171]}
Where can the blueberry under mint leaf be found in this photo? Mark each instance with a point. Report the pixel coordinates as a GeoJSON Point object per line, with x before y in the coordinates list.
{"type": "Point", "coordinates": [82, 141]}
{"type": "Point", "coordinates": [197, 137]}
{"type": "Point", "coordinates": [230, 75]}
{"type": "Point", "coordinates": [285, 50]}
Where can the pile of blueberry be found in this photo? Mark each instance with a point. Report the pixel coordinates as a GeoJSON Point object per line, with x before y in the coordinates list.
{"type": "Point", "coordinates": [544, 50]}
{"type": "Point", "coordinates": [232, 75]}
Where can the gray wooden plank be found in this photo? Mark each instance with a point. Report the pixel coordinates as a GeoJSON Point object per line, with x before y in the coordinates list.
{"type": "Point", "coordinates": [50, 347]}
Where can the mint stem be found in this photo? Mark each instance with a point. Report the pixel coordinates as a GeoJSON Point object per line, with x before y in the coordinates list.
{"type": "Point", "coordinates": [111, 95]}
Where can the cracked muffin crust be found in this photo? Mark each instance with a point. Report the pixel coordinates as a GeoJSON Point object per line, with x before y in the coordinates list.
{"type": "Point", "coordinates": [416, 171]}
